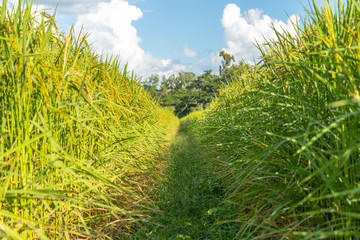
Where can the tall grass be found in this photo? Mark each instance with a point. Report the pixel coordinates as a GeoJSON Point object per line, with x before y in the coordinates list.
{"type": "Point", "coordinates": [285, 135]}
{"type": "Point", "coordinates": [80, 140]}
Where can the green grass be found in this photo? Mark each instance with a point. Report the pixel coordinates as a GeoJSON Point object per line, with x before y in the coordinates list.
{"type": "Point", "coordinates": [189, 198]}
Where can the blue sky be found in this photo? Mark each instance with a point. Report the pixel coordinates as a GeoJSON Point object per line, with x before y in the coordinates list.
{"type": "Point", "coordinates": [168, 36]}
{"type": "Point", "coordinates": [195, 23]}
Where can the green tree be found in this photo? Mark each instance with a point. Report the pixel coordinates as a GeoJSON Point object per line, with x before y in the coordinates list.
{"type": "Point", "coordinates": [185, 92]}
{"type": "Point", "coordinates": [228, 70]}
{"type": "Point", "coordinates": [208, 85]}
{"type": "Point", "coordinates": [151, 85]}
{"type": "Point", "coordinates": [225, 67]}
{"type": "Point", "coordinates": [178, 92]}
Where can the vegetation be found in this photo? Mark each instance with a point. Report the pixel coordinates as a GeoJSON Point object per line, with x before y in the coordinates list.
{"type": "Point", "coordinates": [189, 197]}
{"type": "Point", "coordinates": [81, 142]}
{"type": "Point", "coordinates": [185, 93]}
{"type": "Point", "coordinates": [85, 150]}
{"type": "Point", "coordinates": [284, 136]}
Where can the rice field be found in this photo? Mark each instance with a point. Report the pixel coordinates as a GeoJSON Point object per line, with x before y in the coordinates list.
{"type": "Point", "coordinates": [83, 147]}
{"type": "Point", "coordinates": [81, 142]}
{"type": "Point", "coordinates": [284, 137]}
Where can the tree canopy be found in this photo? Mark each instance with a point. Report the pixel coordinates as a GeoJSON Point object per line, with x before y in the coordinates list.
{"type": "Point", "coordinates": [186, 92]}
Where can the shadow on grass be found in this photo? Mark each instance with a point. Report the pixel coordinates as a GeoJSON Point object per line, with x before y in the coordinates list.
{"type": "Point", "coordinates": [189, 198]}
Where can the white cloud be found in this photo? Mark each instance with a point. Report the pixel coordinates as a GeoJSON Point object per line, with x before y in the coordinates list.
{"type": "Point", "coordinates": [190, 53]}
{"type": "Point", "coordinates": [215, 60]}
{"type": "Point", "coordinates": [110, 26]}
{"type": "Point", "coordinates": [70, 7]}
{"type": "Point", "coordinates": [240, 31]}
{"type": "Point", "coordinates": [73, 7]}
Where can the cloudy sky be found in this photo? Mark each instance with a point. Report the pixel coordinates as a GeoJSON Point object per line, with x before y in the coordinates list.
{"type": "Point", "coordinates": [168, 36]}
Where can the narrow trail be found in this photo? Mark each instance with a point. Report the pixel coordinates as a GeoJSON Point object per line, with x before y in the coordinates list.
{"type": "Point", "coordinates": [190, 198]}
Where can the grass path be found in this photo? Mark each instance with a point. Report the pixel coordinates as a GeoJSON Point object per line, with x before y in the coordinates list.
{"type": "Point", "coordinates": [189, 198]}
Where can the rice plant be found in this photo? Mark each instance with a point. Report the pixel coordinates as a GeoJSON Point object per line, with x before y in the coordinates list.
{"type": "Point", "coordinates": [285, 136]}
{"type": "Point", "coordinates": [80, 140]}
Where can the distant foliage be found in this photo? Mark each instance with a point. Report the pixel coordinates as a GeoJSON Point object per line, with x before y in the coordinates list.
{"type": "Point", "coordinates": [185, 92]}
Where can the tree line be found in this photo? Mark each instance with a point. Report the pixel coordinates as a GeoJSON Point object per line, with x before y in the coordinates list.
{"type": "Point", "coordinates": [186, 92]}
